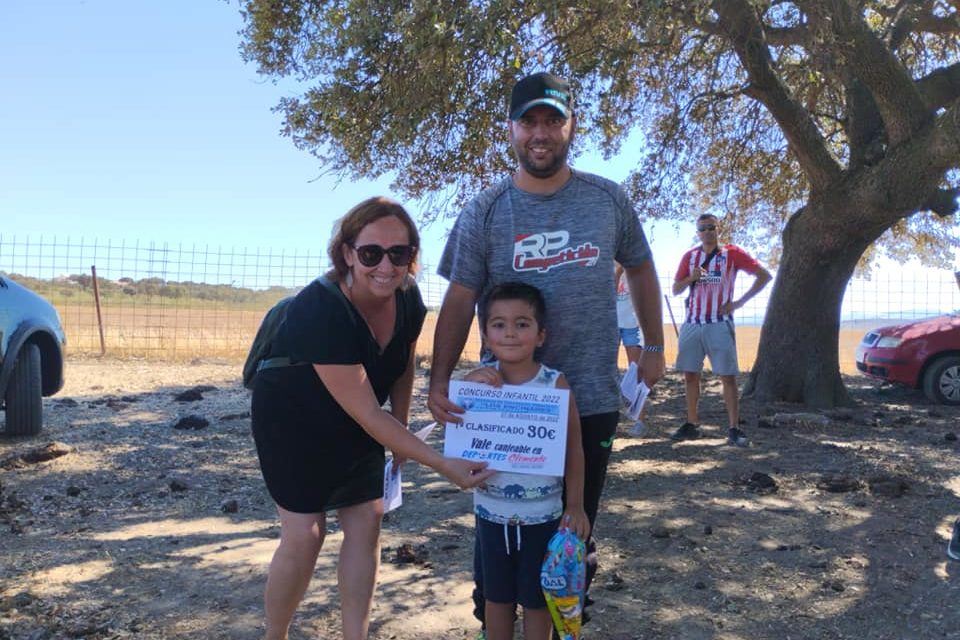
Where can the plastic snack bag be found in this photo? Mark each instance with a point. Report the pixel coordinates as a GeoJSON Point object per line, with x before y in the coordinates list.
{"type": "Point", "coordinates": [563, 579]}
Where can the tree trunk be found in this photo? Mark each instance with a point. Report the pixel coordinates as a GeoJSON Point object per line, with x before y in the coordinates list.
{"type": "Point", "coordinates": [797, 359]}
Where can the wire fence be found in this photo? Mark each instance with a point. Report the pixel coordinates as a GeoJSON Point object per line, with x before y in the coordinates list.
{"type": "Point", "coordinates": [181, 301]}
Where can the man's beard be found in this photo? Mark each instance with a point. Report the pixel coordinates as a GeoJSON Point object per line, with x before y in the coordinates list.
{"type": "Point", "coordinates": [539, 170]}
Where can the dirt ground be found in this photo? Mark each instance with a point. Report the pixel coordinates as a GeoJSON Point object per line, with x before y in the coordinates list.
{"type": "Point", "coordinates": [829, 526]}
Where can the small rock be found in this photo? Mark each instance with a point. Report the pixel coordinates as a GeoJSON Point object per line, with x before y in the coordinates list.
{"type": "Point", "coordinates": [73, 491]}
{"type": "Point", "coordinates": [838, 483]}
{"type": "Point", "coordinates": [235, 416]}
{"type": "Point", "coordinates": [950, 437]}
{"type": "Point", "coordinates": [835, 585]}
{"type": "Point", "coordinates": [707, 530]}
{"type": "Point", "coordinates": [23, 600]}
{"type": "Point", "coordinates": [889, 486]}
{"type": "Point", "coordinates": [66, 402]}
{"type": "Point", "coordinates": [761, 483]}
{"type": "Point", "coordinates": [191, 421]}
{"type": "Point", "coordinates": [190, 395]}
{"type": "Point", "coordinates": [230, 506]}
{"type": "Point", "coordinates": [801, 419]}
{"type": "Point", "coordinates": [660, 531]}
{"type": "Point", "coordinates": [178, 485]}
{"type": "Point", "coordinates": [699, 584]}
{"type": "Point", "coordinates": [49, 451]}
{"type": "Point", "coordinates": [406, 554]}
{"type": "Point", "coordinates": [764, 423]}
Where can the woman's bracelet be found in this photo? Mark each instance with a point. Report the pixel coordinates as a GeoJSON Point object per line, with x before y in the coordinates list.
{"type": "Point", "coordinates": [653, 348]}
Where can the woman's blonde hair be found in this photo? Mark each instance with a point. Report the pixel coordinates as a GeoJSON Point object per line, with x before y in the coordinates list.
{"type": "Point", "coordinates": [347, 228]}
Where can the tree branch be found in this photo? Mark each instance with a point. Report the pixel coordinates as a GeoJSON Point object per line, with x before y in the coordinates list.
{"type": "Point", "coordinates": [941, 87]}
{"type": "Point", "coordinates": [943, 202]}
{"type": "Point", "coordinates": [743, 29]}
{"type": "Point", "coordinates": [892, 88]}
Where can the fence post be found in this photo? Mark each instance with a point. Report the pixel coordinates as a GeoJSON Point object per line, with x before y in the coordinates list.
{"type": "Point", "coordinates": [96, 299]}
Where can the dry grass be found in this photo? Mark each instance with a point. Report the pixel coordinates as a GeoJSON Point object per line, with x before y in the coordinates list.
{"type": "Point", "coordinates": [181, 333]}
{"type": "Point", "coordinates": [748, 339]}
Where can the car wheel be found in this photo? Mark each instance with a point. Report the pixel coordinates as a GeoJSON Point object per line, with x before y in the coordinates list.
{"type": "Point", "coordinates": [24, 399]}
{"type": "Point", "coordinates": [941, 382]}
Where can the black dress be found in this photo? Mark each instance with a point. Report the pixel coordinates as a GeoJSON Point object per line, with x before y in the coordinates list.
{"type": "Point", "coordinates": [313, 456]}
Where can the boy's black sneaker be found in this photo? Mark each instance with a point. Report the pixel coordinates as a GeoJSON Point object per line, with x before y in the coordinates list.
{"type": "Point", "coordinates": [687, 431]}
{"type": "Point", "coordinates": [737, 438]}
{"type": "Point", "coordinates": [953, 547]}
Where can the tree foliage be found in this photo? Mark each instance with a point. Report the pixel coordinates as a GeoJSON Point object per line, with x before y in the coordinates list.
{"type": "Point", "coordinates": [832, 126]}
{"type": "Point", "coordinates": [742, 107]}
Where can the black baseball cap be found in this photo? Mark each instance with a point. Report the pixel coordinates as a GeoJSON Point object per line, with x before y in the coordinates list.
{"type": "Point", "coordinates": [540, 88]}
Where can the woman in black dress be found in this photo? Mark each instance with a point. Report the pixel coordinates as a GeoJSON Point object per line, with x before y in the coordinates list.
{"type": "Point", "coordinates": [319, 426]}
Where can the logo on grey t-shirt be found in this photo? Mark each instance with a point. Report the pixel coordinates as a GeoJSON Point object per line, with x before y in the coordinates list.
{"type": "Point", "coordinates": [545, 251]}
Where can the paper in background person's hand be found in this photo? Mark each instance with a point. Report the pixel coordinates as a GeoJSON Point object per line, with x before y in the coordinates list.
{"type": "Point", "coordinates": [635, 392]}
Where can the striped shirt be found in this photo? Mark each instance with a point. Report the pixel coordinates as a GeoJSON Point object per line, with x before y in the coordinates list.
{"type": "Point", "coordinates": [715, 288]}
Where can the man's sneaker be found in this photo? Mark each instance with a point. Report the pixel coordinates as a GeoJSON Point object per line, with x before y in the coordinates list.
{"type": "Point", "coordinates": [687, 431]}
{"type": "Point", "coordinates": [953, 547]}
{"type": "Point", "coordinates": [737, 438]}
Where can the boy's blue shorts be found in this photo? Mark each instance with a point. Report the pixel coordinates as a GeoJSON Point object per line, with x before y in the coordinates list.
{"type": "Point", "coordinates": [511, 568]}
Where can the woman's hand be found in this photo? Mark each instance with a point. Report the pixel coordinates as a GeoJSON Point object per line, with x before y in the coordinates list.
{"type": "Point", "coordinates": [398, 461]}
{"type": "Point", "coordinates": [575, 519]}
{"type": "Point", "coordinates": [466, 474]}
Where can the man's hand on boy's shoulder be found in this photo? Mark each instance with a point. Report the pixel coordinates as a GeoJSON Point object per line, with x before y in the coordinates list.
{"type": "Point", "coordinates": [485, 375]}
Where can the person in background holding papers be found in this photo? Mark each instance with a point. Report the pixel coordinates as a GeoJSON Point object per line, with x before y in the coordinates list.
{"type": "Point", "coordinates": [710, 270]}
{"type": "Point", "coordinates": [518, 513]}
{"type": "Point", "coordinates": [630, 336]}
{"type": "Point", "coordinates": [345, 346]}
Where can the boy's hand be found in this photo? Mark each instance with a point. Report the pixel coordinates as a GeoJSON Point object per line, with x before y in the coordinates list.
{"type": "Point", "coordinates": [576, 520]}
{"type": "Point", "coordinates": [485, 375]}
{"type": "Point", "coordinates": [442, 409]}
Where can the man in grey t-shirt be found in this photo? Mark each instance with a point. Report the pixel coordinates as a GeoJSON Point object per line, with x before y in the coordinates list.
{"type": "Point", "coordinates": [560, 230]}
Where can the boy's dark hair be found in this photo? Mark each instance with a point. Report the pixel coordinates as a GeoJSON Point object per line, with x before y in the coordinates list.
{"type": "Point", "coordinates": [707, 216]}
{"type": "Point", "coordinates": [514, 291]}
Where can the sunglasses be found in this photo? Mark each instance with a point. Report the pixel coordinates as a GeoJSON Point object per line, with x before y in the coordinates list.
{"type": "Point", "coordinates": [370, 255]}
{"type": "Point", "coordinates": [707, 227]}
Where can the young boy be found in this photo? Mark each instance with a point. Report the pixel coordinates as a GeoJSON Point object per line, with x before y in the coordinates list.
{"type": "Point", "coordinates": [517, 514]}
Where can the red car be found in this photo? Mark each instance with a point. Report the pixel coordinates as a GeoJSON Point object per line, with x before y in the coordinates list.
{"type": "Point", "coordinates": [924, 354]}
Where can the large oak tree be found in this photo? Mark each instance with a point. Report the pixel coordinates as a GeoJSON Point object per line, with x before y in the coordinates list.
{"type": "Point", "coordinates": [832, 123]}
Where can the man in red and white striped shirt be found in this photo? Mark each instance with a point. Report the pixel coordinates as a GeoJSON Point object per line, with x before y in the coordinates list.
{"type": "Point", "coordinates": [710, 271]}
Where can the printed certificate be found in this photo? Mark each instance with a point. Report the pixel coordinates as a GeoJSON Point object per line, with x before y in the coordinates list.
{"type": "Point", "coordinates": [514, 428]}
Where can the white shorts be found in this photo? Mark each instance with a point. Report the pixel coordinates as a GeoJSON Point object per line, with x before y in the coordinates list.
{"type": "Point", "coordinates": [714, 339]}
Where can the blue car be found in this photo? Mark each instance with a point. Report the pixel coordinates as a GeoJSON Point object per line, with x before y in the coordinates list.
{"type": "Point", "coordinates": [31, 356]}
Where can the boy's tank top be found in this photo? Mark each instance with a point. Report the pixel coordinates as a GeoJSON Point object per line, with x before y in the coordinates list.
{"type": "Point", "coordinates": [522, 498]}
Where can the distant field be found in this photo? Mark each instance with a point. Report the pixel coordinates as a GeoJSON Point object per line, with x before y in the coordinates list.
{"type": "Point", "coordinates": [748, 338]}
{"type": "Point", "coordinates": [178, 333]}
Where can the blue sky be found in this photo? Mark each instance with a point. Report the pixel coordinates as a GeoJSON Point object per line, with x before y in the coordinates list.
{"type": "Point", "coordinates": [135, 120]}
